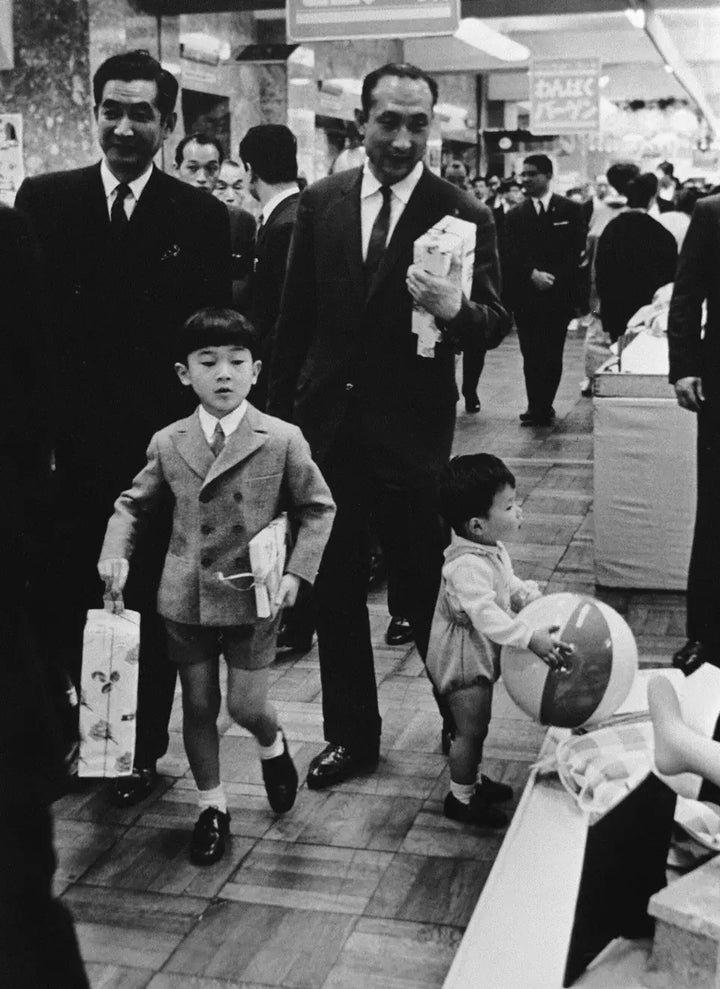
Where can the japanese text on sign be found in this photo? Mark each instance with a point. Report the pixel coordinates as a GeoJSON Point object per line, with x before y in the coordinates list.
{"type": "Point", "coordinates": [564, 95]}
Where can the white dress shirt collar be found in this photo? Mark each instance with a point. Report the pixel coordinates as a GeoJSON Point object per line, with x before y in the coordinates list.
{"type": "Point", "coordinates": [110, 184]}
{"type": "Point", "coordinates": [228, 423]}
{"type": "Point", "coordinates": [271, 204]}
{"type": "Point", "coordinates": [545, 200]}
{"type": "Point", "coordinates": [402, 189]}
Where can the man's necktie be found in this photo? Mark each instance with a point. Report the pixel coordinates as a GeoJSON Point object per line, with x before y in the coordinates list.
{"type": "Point", "coordinates": [218, 439]}
{"type": "Point", "coordinates": [378, 235]}
{"type": "Point", "coordinates": [541, 210]}
{"type": "Point", "coordinates": [118, 218]}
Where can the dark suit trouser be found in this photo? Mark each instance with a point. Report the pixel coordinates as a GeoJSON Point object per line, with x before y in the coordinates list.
{"type": "Point", "coordinates": [73, 586]}
{"type": "Point", "coordinates": [413, 540]}
{"type": "Point", "coordinates": [542, 342]}
{"type": "Point", "coordinates": [473, 362]}
{"type": "Point", "coordinates": [703, 590]}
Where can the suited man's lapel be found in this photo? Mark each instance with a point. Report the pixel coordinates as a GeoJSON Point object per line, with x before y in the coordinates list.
{"type": "Point", "coordinates": [192, 446]}
{"type": "Point", "coordinates": [250, 435]}
{"type": "Point", "coordinates": [346, 215]}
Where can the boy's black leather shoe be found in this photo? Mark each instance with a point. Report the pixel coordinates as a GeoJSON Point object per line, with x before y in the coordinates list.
{"type": "Point", "coordinates": [337, 763]}
{"type": "Point", "coordinates": [479, 811]}
{"type": "Point", "coordinates": [130, 790]}
{"type": "Point", "coordinates": [494, 791]}
{"type": "Point", "coordinates": [209, 836]}
{"type": "Point", "coordinates": [281, 780]}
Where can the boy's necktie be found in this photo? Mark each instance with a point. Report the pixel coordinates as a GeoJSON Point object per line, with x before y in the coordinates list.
{"type": "Point", "coordinates": [218, 439]}
{"type": "Point", "coordinates": [378, 236]}
{"type": "Point", "coordinates": [118, 217]}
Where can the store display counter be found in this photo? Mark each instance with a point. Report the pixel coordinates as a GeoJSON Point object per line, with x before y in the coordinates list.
{"type": "Point", "coordinates": [644, 473]}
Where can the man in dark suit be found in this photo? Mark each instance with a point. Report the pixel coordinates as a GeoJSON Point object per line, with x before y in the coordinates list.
{"type": "Point", "coordinates": [695, 373]}
{"type": "Point", "coordinates": [129, 253]}
{"type": "Point", "coordinates": [378, 416]}
{"type": "Point", "coordinates": [544, 244]}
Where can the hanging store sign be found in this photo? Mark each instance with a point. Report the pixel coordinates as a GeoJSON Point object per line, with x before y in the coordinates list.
{"type": "Point", "coordinates": [330, 20]}
{"type": "Point", "coordinates": [564, 95]}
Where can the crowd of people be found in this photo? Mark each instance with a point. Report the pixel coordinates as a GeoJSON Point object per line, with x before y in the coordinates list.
{"type": "Point", "coordinates": [202, 368]}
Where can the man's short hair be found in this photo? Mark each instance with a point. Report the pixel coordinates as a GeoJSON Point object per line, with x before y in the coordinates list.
{"type": "Point", "coordinates": [541, 162]}
{"type": "Point", "coordinates": [271, 151]}
{"type": "Point", "coordinates": [199, 138]}
{"type": "Point", "coordinates": [620, 174]}
{"type": "Point", "coordinates": [667, 168]}
{"type": "Point", "coordinates": [507, 184]}
{"type": "Point", "coordinates": [138, 64]}
{"type": "Point", "coordinates": [467, 486]}
{"type": "Point", "coordinates": [215, 327]}
{"type": "Point", "coordinates": [640, 191]}
{"type": "Point", "coordinates": [403, 70]}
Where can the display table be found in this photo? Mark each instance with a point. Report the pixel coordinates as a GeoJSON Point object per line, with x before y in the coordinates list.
{"type": "Point", "coordinates": [644, 474]}
{"type": "Point", "coordinates": [561, 889]}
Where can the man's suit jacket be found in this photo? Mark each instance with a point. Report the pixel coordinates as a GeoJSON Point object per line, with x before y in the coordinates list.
{"type": "Point", "coordinates": [271, 259]}
{"type": "Point", "coordinates": [337, 344]}
{"type": "Point", "coordinates": [220, 503]}
{"type": "Point", "coordinates": [114, 309]}
{"type": "Point", "coordinates": [554, 244]}
{"type": "Point", "coordinates": [242, 239]}
{"type": "Point", "coordinates": [697, 279]}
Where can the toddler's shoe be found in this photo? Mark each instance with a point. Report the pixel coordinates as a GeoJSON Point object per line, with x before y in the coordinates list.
{"type": "Point", "coordinates": [494, 792]}
{"type": "Point", "coordinates": [209, 837]}
{"type": "Point", "coordinates": [281, 780]}
{"type": "Point", "coordinates": [479, 811]}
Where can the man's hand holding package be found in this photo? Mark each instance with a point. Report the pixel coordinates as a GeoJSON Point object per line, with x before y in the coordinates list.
{"type": "Point", "coordinates": [440, 296]}
{"type": "Point", "coordinates": [114, 574]}
{"type": "Point", "coordinates": [542, 280]}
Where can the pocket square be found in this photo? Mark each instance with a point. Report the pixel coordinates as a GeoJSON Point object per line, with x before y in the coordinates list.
{"type": "Point", "coordinates": [560, 223]}
{"type": "Point", "coordinates": [172, 252]}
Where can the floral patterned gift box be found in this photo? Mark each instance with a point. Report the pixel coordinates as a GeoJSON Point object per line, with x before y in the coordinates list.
{"type": "Point", "coordinates": [108, 697]}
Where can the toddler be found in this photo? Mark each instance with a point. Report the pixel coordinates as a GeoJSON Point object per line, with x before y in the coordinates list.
{"type": "Point", "coordinates": [474, 617]}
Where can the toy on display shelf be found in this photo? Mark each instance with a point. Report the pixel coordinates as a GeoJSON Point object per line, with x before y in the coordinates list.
{"type": "Point", "coordinates": [597, 675]}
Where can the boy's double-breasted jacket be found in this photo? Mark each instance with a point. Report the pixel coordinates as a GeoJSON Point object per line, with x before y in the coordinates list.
{"type": "Point", "coordinates": [220, 503]}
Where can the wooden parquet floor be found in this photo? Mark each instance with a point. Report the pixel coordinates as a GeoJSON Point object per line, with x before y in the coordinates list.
{"type": "Point", "coordinates": [366, 886]}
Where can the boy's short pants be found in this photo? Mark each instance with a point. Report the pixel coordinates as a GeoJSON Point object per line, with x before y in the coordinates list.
{"type": "Point", "coordinates": [245, 647]}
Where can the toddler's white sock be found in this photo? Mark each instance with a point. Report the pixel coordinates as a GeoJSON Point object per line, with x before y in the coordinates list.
{"type": "Point", "coordinates": [273, 750]}
{"type": "Point", "coordinates": [462, 791]}
{"type": "Point", "coordinates": [213, 798]}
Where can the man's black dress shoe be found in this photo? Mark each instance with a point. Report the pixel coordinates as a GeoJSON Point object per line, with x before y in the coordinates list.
{"type": "Point", "coordinates": [530, 414]}
{"type": "Point", "coordinates": [689, 657]}
{"type": "Point", "coordinates": [130, 790]}
{"type": "Point", "coordinates": [209, 836]}
{"type": "Point", "coordinates": [290, 641]}
{"type": "Point", "coordinates": [281, 780]}
{"type": "Point", "coordinates": [398, 632]}
{"type": "Point", "coordinates": [337, 763]}
{"type": "Point", "coordinates": [472, 404]}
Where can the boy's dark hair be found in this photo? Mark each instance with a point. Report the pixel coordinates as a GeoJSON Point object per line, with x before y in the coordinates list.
{"type": "Point", "coordinates": [541, 162]}
{"type": "Point", "coordinates": [138, 64]}
{"type": "Point", "coordinates": [271, 151]}
{"type": "Point", "coordinates": [640, 191]}
{"type": "Point", "coordinates": [199, 138]}
{"type": "Point", "coordinates": [403, 70]}
{"type": "Point", "coordinates": [212, 327]}
{"type": "Point", "coordinates": [620, 174]}
{"type": "Point", "coordinates": [467, 487]}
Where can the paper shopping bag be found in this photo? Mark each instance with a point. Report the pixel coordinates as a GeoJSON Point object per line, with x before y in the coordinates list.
{"type": "Point", "coordinates": [108, 693]}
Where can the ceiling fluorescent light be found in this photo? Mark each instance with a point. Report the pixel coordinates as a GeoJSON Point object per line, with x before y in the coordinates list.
{"type": "Point", "coordinates": [636, 16]}
{"type": "Point", "coordinates": [477, 34]}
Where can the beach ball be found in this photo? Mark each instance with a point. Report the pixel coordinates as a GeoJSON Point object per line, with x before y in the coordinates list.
{"type": "Point", "coordinates": [600, 671]}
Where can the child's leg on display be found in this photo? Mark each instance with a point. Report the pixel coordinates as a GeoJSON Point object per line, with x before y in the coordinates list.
{"type": "Point", "coordinates": [679, 749]}
{"type": "Point", "coordinates": [471, 708]}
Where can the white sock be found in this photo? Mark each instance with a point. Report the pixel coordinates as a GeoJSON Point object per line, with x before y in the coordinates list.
{"type": "Point", "coordinates": [275, 748]}
{"type": "Point", "coordinates": [213, 798]}
{"type": "Point", "coordinates": [462, 791]}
